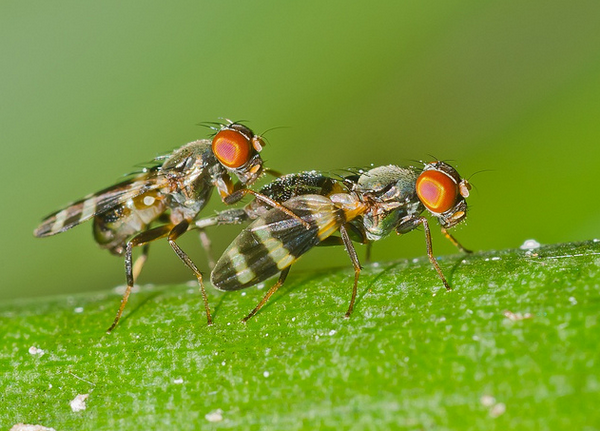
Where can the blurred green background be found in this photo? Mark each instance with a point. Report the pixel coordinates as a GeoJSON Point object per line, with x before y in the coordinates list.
{"type": "Point", "coordinates": [90, 89]}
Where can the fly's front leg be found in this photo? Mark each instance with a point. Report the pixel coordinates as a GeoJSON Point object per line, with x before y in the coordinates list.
{"type": "Point", "coordinates": [132, 271]}
{"type": "Point", "coordinates": [425, 223]}
{"type": "Point", "coordinates": [272, 172]}
{"type": "Point", "coordinates": [175, 233]}
{"type": "Point", "coordinates": [226, 217]}
{"type": "Point", "coordinates": [455, 241]}
{"type": "Point", "coordinates": [239, 194]}
{"type": "Point", "coordinates": [229, 216]}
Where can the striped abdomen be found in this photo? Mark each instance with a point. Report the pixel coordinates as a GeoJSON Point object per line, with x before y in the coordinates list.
{"type": "Point", "coordinates": [275, 241]}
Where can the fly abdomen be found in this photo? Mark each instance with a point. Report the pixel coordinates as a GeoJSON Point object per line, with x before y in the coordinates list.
{"type": "Point", "coordinates": [113, 228]}
{"type": "Point", "coordinates": [275, 241]}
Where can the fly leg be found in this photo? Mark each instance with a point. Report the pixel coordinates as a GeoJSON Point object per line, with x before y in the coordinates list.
{"type": "Point", "coordinates": [270, 293]}
{"type": "Point", "coordinates": [423, 221]}
{"type": "Point", "coordinates": [141, 239]}
{"type": "Point", "coordinates": [368, 252]}
{"type": "Point", "coordinates": [175, 233]}
{"type": "Point", "coordinates": [226, 217]}
{"type": "Point", "coordinates": [347, 243]}
{"type": "Point", "coordinates": [355, 262]}
{"type": "Point", "coordinates": [239, 194]}
{"type": "Point", "coordinates": [455, 241]}
{"type": "Point", "coordinates": [140, 261]}
{"type": "Point", "coordinates": [206, 245]}
{"type": "Point", "coordinates": [272, 172]}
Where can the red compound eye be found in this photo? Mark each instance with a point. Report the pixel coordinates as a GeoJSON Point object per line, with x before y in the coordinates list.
{"type": "Point", "coordinates": [437, 191]}
{"type": "Point", "coordinates": [232, 148]}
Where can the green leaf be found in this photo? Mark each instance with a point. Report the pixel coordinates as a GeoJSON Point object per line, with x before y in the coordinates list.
{"type": "Point", "coordinates": [513, 346]}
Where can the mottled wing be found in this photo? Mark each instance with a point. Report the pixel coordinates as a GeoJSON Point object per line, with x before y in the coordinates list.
{"type": "Point", "coordinates": [102, 201]}
{"type": "Point", "coordinates": [275, 241]}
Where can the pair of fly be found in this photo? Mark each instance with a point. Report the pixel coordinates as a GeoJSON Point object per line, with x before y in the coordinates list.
{"type": "Point", "coordinates": [289, 216]}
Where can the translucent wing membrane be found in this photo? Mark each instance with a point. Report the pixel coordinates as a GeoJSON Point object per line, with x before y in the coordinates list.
{"type": "Point", "coordinates": [99, 202]}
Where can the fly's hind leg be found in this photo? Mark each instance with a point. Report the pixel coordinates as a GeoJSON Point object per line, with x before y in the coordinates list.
{"type": "Point", "coordinates": [132, 271]}
{"type": "Point", "coordinates": [175, 233]}
{"type": "Point", "coordinates": [270, 293]}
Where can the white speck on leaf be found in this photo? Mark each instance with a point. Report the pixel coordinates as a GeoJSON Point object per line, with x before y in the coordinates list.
{"type": "Point", "coordinates": [266, 374]}
{"type": "Point", "coordinates": [516, 316]}
{"type": "Point", "coordinates": [498, 410]}
{"type": "Point", "coordinates": [27, 427]}
{"type": "Point", "coordinates": [530, 244]}
{"type": "Point", "coordinates": [35, 351]}
{"type": "Point", "coordinates": [487, 400]}
{"type": "Point", "coordinates": [78, 310]}
{"type": "Point", "coordinates": [214, 416]}
{"type": "Point", "coordinates": [78, 403]}
{"type": "Point", "coordinates": [178, 381]}
{"type": "Point", "coordinates": [573, 300]}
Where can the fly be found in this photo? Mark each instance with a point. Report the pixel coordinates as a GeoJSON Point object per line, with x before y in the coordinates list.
{"type": "Point", "coordinates": [172, 192]}
{"type": "Point", "coordinates": [365, 207]}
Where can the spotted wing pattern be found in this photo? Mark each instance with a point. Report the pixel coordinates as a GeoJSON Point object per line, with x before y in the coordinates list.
{"type": "Point", "coordinates": [100, 202]}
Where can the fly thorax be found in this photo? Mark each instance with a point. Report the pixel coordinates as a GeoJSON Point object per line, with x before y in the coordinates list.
{"type": "Point", "coordinates": [387, 184]}
{"type": "Point", "coordinates": [378, 225]}
{"type": "Point", "coordinates": [414, 208]}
